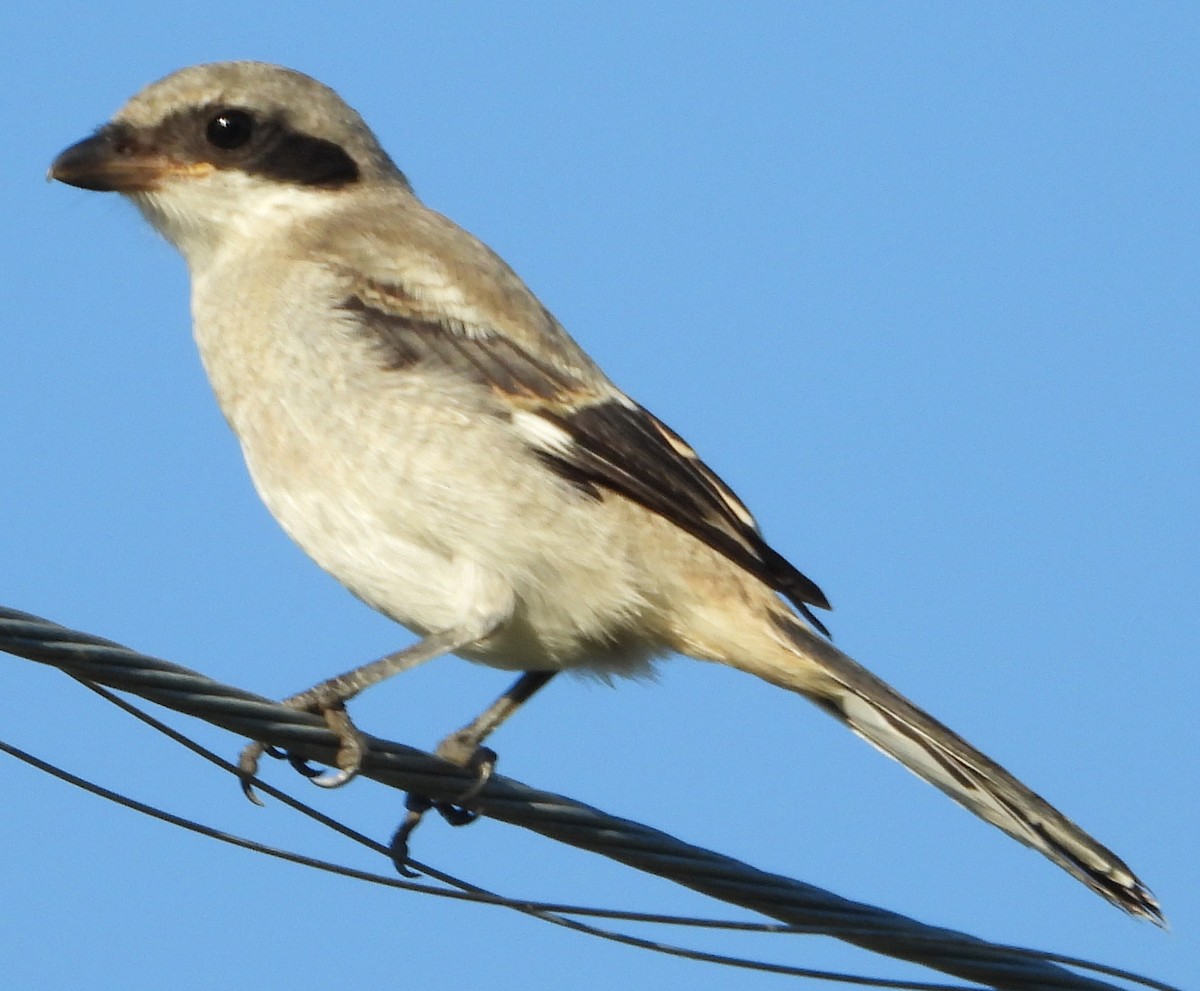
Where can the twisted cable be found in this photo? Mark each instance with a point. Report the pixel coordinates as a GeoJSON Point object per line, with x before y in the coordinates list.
{"type": "Point", "coordinates": [554, 816]}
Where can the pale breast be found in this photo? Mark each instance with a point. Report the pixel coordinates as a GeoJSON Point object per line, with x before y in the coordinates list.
{"type": "Point", "coordinates": [413, 489]}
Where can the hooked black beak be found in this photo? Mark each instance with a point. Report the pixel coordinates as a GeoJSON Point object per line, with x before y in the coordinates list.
{"type": "Point", "coordinates": [109, 161]}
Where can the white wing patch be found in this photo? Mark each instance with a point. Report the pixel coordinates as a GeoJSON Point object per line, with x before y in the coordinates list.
{"type": "Point", "coordinates": [541, 433]}
{"type": "Point", "coordinates": [428, 291]}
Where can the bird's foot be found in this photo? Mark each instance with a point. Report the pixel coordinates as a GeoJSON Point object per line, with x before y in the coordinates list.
{"type": "Point", "coordinates": [461, 749]}
{"type": "Point", "coordinates": [352, 746]}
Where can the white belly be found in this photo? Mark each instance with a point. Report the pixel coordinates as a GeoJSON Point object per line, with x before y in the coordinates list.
{"type": "Point", "coordinates": [414, 494]}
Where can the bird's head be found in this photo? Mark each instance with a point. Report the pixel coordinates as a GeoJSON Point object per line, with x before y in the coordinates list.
{"type": "Point", "coordinates": [209, 150]}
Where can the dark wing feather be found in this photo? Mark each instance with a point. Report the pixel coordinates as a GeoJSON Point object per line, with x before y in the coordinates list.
{"type": "Point", "coordinates": [490, 359]}
{"type": "Point", "coordinates": [629, 450]}
{"type": "Point", "coordinates": [614, 444]}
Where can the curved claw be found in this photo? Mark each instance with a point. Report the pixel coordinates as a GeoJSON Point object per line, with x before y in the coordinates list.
{"type": "Point", "coordinates": [483, 763]}
{"type": "Point", "coordinates": [417, 806]}
{"type": "Point", "coordinates": [455, 815]}
{"type": "Point", "coordinates": [351, 748]}
{"type": "Point", "coordinates": [332, 778]}
{"type": "Point", "coordinates": [273, 751]}
{"type": "Point", "coordinates": [300, 765]}
{"type": "Point", "coordinates": [248, 768]}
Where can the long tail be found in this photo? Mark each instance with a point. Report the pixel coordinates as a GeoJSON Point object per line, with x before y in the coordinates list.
{"type": "Point", "coordinates": [886, 719]}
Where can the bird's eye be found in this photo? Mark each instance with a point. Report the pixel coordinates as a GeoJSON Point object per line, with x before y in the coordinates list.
{"type": "Point", "coordinates": [229, 129]}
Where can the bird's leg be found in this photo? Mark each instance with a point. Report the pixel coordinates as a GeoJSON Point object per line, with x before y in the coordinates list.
{"type": "Point", "coordinates": [464, 748]}
{"type": "Point", "coordinates": [329, 698]}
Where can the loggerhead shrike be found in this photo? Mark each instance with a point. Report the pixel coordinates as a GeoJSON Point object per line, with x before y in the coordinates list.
{"type": "Point", "coordinates": [422, 426]}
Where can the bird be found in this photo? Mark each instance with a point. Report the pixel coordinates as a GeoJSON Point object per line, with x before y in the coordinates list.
{"type": "Point", "coordinates": [423, 427]}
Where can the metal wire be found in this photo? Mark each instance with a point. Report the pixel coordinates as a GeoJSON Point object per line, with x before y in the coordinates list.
{"type": "Point", "coordinates": [461, 890]}
{"type": "Point", "coordinates": [555, 913]}
{"type": "Point", "coordinates": [554, 816]}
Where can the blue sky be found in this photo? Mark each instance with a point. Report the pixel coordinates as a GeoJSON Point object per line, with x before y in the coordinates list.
{"type": "Point", "coordinates": [918, 280]}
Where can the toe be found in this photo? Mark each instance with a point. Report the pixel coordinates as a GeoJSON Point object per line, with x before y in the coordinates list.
{"type": "Point", "coordinates": [352, 747]}
{"type": "Point", "coordinates": [248, 768]}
